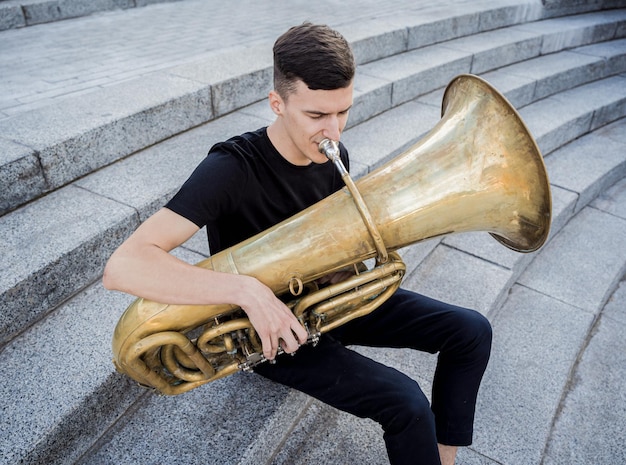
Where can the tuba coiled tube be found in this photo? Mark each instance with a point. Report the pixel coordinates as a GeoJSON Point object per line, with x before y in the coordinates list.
{"type": "Point", "coordinates": [478, 169]}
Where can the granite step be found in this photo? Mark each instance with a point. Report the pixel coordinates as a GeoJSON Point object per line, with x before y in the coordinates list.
{"type": "Point", "coordinates": [45, 151]}
{"type": "Point", "coordinates": [544, 328]}
{"type": "Point", "coordinates": [593, 407]}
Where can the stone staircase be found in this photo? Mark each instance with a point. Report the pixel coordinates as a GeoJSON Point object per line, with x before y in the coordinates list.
{"type": "Point", "coordinates": [75, 187]}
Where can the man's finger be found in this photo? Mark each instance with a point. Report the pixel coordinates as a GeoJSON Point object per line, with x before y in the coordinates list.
{"type": "Point", "coordinates": [302, 335]}
{"type": "Point", "coordinates": [289, 343]}
{"type": "Point", "coordinates": [270, 347]}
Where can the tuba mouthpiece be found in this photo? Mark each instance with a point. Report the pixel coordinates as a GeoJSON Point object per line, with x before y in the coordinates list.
{"type": "Point", "coordinates": [330, 149]}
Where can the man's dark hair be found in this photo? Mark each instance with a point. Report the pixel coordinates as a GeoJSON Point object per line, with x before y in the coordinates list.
{"type": "Point", "coordinates": [315, 54]}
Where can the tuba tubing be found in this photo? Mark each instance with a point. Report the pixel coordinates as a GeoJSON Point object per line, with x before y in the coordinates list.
{"type": "Point", "coordinates": [478, 169]}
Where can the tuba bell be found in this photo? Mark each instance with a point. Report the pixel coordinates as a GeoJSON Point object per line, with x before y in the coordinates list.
{"type": "Point", "coordinates": [478, 169]}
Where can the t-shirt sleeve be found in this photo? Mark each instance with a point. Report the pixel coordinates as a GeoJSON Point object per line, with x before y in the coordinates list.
{"type": "Point", "coordinates": [213, 189]}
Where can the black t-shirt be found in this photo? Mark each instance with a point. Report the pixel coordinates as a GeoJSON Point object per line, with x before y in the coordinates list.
{"type": "Point", "coordinates": [245, 186]}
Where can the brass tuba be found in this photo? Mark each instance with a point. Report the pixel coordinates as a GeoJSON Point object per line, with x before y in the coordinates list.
{"type": "Point", "coordinates": [478, 169]}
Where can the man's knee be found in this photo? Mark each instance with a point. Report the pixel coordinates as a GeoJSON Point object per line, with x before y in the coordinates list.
{"type": "Point", "coordinates": [469, 341]}
{"type": "Point", "coordinates": [482, 333]}
{"type": "Point", "coordinates": [407, 408]}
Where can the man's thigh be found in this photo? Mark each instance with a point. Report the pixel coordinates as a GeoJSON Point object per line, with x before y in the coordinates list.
{"type": "Point", "coordinates": [343, 378]}
{"type": "Point", "coordinates": [407, 320]}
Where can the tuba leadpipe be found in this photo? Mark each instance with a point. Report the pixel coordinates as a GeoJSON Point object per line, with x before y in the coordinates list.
{"type": "Point", "coordinates": [478, 169]}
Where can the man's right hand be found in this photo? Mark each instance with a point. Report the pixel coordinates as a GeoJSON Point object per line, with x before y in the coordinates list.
{"type": "Point", "coordinates": [273, 321]}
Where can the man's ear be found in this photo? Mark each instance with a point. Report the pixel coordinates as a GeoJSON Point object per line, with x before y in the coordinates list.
{"type": "Point", "coordinates": [276, 103]}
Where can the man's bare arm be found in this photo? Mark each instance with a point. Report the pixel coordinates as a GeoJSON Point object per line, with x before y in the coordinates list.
{"type": "Point", "coordinates": [143, 266]}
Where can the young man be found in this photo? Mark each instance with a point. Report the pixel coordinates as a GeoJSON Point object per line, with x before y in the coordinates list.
{"type": "Point", "coordinates": [257, 179]}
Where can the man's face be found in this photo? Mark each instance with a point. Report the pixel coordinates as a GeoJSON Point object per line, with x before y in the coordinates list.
{"type": "Point", "coordinates": [306, 118]}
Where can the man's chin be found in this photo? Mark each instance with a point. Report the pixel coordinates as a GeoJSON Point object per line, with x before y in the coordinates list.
{"type": "Point", "coordinates": [320, 160]}
{"type": "Point", "coordinates": [318, 157]}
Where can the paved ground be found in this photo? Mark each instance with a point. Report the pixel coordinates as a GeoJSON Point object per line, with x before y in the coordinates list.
{"type": "Point", "coordinates": [43, 63]}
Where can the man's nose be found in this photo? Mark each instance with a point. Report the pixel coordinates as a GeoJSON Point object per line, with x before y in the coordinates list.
{"type": "Point", "coordinates": [332, 130]}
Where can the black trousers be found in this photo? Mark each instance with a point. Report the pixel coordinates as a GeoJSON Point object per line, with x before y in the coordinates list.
{"type": "Point", "coordinates": [356, 384]}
